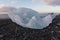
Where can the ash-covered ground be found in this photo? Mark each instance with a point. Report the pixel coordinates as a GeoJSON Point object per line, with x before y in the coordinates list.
{"type": "Point", "coordinates": [11, 31]}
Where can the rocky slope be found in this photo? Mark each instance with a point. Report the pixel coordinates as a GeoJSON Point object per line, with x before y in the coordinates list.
{"type": "Point", "coordinates": [11, 31]}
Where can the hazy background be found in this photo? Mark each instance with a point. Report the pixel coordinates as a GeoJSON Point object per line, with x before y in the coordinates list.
{"type": "Point", "coordinates": [42, 6]}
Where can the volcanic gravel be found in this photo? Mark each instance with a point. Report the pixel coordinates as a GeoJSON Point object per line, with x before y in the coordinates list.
{"type": "Point", "coordinates": [11, 31]}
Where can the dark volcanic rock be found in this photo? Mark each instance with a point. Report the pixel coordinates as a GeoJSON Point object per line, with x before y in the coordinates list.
{"type": "Point", "coordinates": [11, 31]}
{"type": "Point", "coordinates": [7, 29]}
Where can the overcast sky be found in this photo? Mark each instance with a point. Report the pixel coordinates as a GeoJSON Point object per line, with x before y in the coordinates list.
{"type": "Point", "coordinates": [38, 5]}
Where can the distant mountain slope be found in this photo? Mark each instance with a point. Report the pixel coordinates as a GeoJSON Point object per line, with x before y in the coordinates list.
{"type": "Point", "coordinates": [4, 16]}
{"type": "Point", "coordinates": [7, 9]}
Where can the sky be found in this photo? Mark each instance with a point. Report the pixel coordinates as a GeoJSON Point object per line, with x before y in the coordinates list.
{"type": "Point", "coordinates": [20, 3]}
{"type": "Point", "coordinates": [38, 5]}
